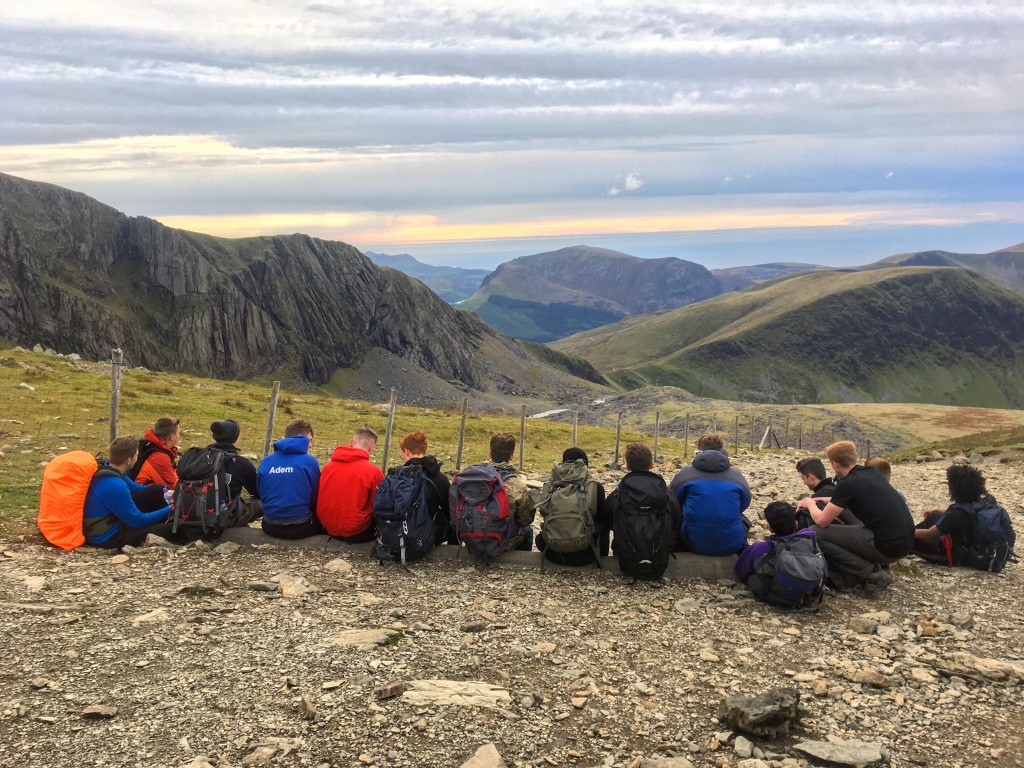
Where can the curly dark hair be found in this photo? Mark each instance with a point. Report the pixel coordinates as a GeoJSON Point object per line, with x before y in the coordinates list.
{"type": "Point", "coordinates": [966, 483]}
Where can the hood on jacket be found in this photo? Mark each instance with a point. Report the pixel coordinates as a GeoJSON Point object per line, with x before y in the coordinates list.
{"type": "Point", "coordinates": [711, 461]}
{"type": "Point", "coordinates": [347, 453]}
{"type": "Point", "coordinates": [151, 436]}
{"type": "Point", "coordinates": [297, 444]}
{"type": "Point", "coordinates": [430, 464]}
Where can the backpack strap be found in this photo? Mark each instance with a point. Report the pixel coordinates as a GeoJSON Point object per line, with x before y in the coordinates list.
{"type": "Point", "coordinates": [98, 526]}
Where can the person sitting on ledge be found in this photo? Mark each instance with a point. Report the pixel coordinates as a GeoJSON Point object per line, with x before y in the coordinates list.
{"type": "Point", "coordinates": [347, 486]}
{"type": "Point", "coordinates": [288, 480]}
{"type": "Point", "coordinates": [112, 517]}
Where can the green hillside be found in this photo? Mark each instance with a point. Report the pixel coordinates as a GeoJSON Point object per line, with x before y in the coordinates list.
{"type": "Point", "coordinates": [908, 334]}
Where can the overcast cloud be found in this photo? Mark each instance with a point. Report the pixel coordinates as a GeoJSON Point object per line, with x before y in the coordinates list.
{"type": "Point", "coordinates": [378, 123]}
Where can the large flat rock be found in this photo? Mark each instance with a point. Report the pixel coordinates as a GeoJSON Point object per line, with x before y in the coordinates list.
{"type": "Point", "coordinates": [684, 565]}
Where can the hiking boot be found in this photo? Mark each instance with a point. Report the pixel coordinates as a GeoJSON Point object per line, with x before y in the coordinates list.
{"type": "Point", "coordinates": [878, 582]}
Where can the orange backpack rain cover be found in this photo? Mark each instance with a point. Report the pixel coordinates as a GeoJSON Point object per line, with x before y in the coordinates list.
{"type": "Point", "coordinates": [66, 482]}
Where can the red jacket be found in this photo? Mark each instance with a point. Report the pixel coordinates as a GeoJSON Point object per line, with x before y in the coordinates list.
{"type": "Point", "coordinates": [158, 468]}
{"type": "Point", "coordinates": [347, 485]}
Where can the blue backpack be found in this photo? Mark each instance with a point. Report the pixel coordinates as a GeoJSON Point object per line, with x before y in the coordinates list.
{"type": "Point", "coordinates": [991, 538]}
{"type": "Point", "coordinates": [405, 528]}
{"type": "Point", "coordinates": [791, 574]}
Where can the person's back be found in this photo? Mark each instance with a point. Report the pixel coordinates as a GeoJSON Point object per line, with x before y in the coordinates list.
{"type": "Point", "coordinates": [713, 495]}
{"type": "Point", "coordinates": [348, 483]}
{"type": "Point", "coordinates": [645, 518]}
{"type": "Point", "coordinates": [414, 452]}
{"type": "Point", "coordinates": [788, 568]}
{"type": "Point", "coordinates": [288, 480]}
{"type": "Point", "coordinates": [574, 519]}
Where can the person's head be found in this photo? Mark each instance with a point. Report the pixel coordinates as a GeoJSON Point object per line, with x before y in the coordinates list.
{"type": "Point", "coordinates": [364, 438]}
{"type": "Point", "coordinates": [842, 455]}
{"type": "Point", "coordinates": [575, 454]}
{"type": "Point", "coordinates": [167, 430]}
{"type": "Point", "coordinates": [503, 446]}
{"type": "Point", "coordinates": [299, 427]}
{"type": "Point", "coordinates": [123, 451]}
{"type": "Point", "coordinates": [414, 445]}
{"type": "Point", "coordinates": [812, 471]}
{"type": "Point", "coordinates": [639, 458]}
{"type": "Point", "coordinates": [710, 442]}
{"type": "Point", "coordinates": [883, 466]}
{"type": "Point", "coordinates": [966, 483]}
{"type": "Point", "coordinates": [226, 431]}
{"type": "Point", "coordinates": [781, 518]}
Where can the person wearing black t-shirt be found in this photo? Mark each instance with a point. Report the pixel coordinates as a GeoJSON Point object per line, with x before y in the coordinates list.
{"type": "Point", "coordinates": [942, 536]}
{"type": "Point", "coordinates": [857, 554]}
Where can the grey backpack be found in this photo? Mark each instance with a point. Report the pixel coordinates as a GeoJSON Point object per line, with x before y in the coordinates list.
{"type": "Point", "coordinates": [567, 509]}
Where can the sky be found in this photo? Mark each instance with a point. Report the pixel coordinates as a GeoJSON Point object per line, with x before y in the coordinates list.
{"type": "Point", "coordinates": [473, 132]}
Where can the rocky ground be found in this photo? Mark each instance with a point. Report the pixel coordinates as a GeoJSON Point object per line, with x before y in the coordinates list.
{"type": "Point", "coordinates": [238, 657]}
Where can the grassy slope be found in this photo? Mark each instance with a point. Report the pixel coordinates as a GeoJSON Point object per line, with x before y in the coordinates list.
{"type": "Point", "coordinates": [871, 335]}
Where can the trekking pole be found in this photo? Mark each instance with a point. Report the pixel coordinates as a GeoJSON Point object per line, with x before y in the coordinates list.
{"type": "Point", "coordinates": [387, 435]}
{"type": "Point", "coordinates": [575, 424]}
{"type": "Point", "coordinates": [116, 361]}
{"type": "Point", "coordinates": [618, 437]}
{"type": "Point", "coordinates": [522, 437]}
{"type": "Point", "coordinates": [657, 424]}
{"type": "Point", "coordinates": [462, 434]}
{"type": "Point", "coordinates": [268, 438]}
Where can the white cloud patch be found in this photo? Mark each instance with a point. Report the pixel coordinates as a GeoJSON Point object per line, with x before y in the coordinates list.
{"type": "Point", "coordinates": [630, 183]}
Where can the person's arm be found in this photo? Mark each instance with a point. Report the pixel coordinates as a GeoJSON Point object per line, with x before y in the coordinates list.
{"type": "Point", "coordinates": [821, 517]}
{"type": "Point", "coordinates": [676, 510]}
{"type": "Point", "coordinates": [745, 563]}
{"type": "Point", "coordinates": [313, 472]}
{"type": "Point", "coordinates": [744, 491]}
{"type": "Point", "coordinates": [927, 533]}
{"type": "Point", "coordinates": [119, 501]}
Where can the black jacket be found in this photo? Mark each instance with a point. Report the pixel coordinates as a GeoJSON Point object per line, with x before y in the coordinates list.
{"type": "Point", "coordinates": [241, 470]}
{"type": "Point", "coordinates": [437, 493]}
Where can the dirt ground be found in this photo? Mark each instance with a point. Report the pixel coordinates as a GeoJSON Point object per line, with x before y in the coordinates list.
{"type": "Point", "coordinates": [208, 667]}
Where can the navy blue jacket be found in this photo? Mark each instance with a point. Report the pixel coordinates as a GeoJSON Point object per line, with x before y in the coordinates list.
{"type": "Point", "coordinates": [713, 495]}
{"type": "Point", "coordinates": [287, 481]}
{"type": "Point", "coordinates": [109, 495]}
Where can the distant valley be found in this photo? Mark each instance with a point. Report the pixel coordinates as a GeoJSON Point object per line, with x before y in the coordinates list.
{"type": "Point", "coordinates": [453, 284]}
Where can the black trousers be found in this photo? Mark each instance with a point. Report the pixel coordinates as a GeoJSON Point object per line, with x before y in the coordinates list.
{"type": "Point", "coordinates": [311, 527]}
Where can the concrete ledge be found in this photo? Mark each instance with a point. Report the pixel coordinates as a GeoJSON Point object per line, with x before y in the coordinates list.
{"type": "Point", "coordinates": [684, 565]}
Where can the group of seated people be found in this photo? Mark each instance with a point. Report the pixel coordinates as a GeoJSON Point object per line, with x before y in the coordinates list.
{"type": "Point", "coordinates": [861, 523]}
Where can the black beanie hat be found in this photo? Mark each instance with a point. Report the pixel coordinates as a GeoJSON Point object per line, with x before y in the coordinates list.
{"type": "Point", "coordinates": [574, 454]}
{"type": "Point", "coordinates": [226, 431]}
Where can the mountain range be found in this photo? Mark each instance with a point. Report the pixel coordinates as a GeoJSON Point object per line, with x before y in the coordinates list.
{"type": "Point", "coordinates": [80, 276]}
{"type": "Point", "coordinates": [550, 295]}
{"type": "Point", "coordinates": [453, 284]}
{"type": "Point", "coordinates": [891, 334]}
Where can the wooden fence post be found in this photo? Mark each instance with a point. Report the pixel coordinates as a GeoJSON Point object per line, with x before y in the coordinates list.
{"type": "Point", "coordinates": [657, 424]}
{"type": "Point", "coordinates": [753, 420]}
{"type": "Point", "coordinates": [387, 435]}
{"type": "Point", "coordinates": [686, 438]}
{"type": "Point", "coordinates": [736, 436]}
{"type": "Point", "coordinates": [462, 434]}
{"type": "Point", "coordinates": [800, 436]}
{"type": "Point", "coordinates": [618, 437]}
{"type": "Point", "coordinates": [785, 442]}
{"type": "Point", "coordinates": [714, 423]}
{"type": "Point", "coordinates": [869, 450]}
{"type": "Point", "coordinates": [116, 361]}
{"type": "Point", "coordinates": [269, 436]}
{"type": "Point", "coordinates": [575, 425]}
{"type": "Point", "coordinates": [522, 437]}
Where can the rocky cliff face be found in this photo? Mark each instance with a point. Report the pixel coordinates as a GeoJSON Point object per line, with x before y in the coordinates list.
{"type": "Point", "coordinates": [77, 275]}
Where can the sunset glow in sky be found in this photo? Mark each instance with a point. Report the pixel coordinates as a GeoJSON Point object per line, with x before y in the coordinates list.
{"type": "Point", "coordinates": [476, 132]}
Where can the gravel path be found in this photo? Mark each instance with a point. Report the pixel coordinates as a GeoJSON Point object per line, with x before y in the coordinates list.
{"type": "Point", "coordinates": [205, 666]}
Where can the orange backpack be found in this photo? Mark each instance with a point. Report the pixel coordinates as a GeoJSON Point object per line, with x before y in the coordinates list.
{"type": "Point", "coordinates": [66, 482]}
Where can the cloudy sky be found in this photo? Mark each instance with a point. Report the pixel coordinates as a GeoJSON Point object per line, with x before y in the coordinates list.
{"type": "Point", "coordinates": [473, 132]}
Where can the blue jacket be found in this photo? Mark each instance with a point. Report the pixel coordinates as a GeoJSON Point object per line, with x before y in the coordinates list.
{"type": "Point", "coordinates": [713, 495]}
{"type": "Point", "coordinates": [112, 496]}
{"type": "Point", "coordinates": [288, 480]}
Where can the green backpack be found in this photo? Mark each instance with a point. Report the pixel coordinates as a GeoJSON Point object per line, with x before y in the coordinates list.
{"type": "Point", "coordinates": [567, 509]}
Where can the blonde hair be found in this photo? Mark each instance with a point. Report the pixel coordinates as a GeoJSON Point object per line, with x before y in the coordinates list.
{"type": "Point", "coordinates": [843, 453]}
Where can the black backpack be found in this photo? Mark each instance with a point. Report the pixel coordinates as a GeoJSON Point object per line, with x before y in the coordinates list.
{"type": "Point", "coordinates": [401, 507]}
{"type": "Point", "coordinates": [644, 526]}
{"type": "Point", "coordinates": [990, 539]}
{"type": "Point", "coordinates": [791, 574]}
{"type": "Point", "coordinates": [202, 498]}
{"type": "Point", "coordinates": [145, 449]}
